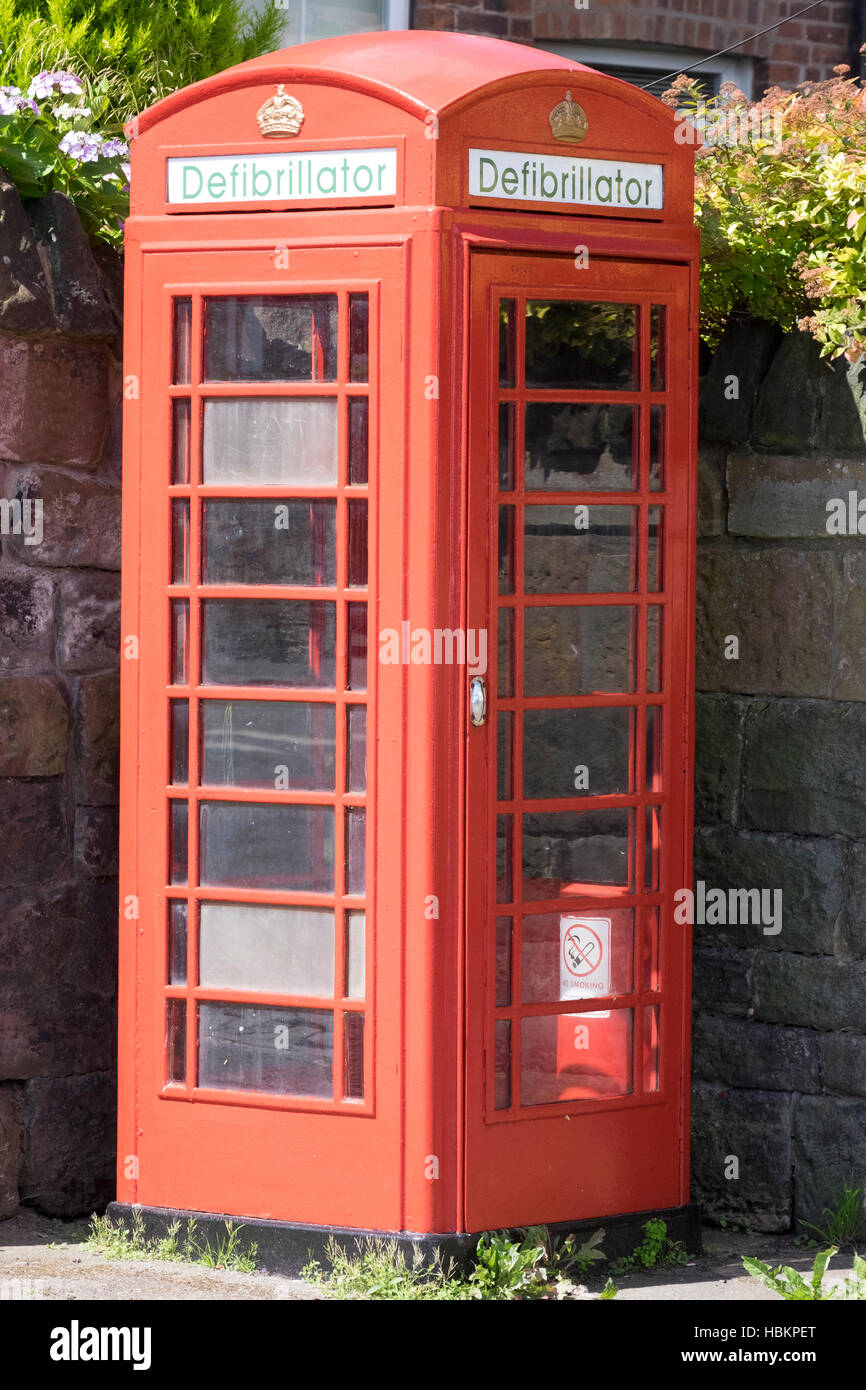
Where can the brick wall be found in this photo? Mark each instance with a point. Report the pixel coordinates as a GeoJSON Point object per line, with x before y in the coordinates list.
{"type": "Point", "coordinates": [804, 50]}
{"type": "Point", "coordinates": [60, 309]}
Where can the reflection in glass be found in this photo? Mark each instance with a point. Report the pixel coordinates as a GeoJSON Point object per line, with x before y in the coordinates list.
{"type": "Point", "coordinates": [356, 929]}
{"type": "Point", "coordinates": [503, 960]}
{"type": "Point", "coordinates": [286, 542]}
{"type": "Point", "coordinates": [502, 1065]}
{"type": "Point", "coordinates": [285, 848]}
{"type": "Point", "coordinates": [587, 954]}
{"type": "Point", "coordinates": [580, 345]}
{"type": "Point", "coordinates": [507, 351]}
{"type": "Point", "coordinates": [504, 755]}
{"type": "Point", "coordinates": [180, 440]}
{"type": "Point", "coordinates": [359, 336]}
{"type": "Point", "coordinates": [577, 1056]}
{"type": "Point", "coordinates": [504, 858]}
{"type": "Point", "coordinates": [179, 741]}
{"type": "Point", "coordinates": [175, 1041]}
{"type": "Point", "coordinates": [356, 667]}
{"type": "Point", "coordinates": [654, 649]}
{"type": "Point", "coordinates": [177, 937]}
{"type": "Point", "coordinates": [655, 576]}
{"type": "Point", "coordinates": [268, 642]}
{"type": "Point", "coordinates": [506, 446]}
{"type": "Point", "coordinates": [651, 1047]}
{"type": "Point", "coordinates": [580, 550]}
{"type": "Point", "coordinates": [178, 841]}
{"type": "Point", "coordinates": [651, 968]}
{"type": "Point", "coordinates": [356, 748]}
{"type": "Point", "coordinates": [271, 338]}
{"type": "Point", "coordinates": [653, 748]}
{"type": "Point", "coordinates": [353, 1056]}
{"type": "Point", "coordinates": [653, 847]}
{"type": "Point", "coordinates": [180, 540]}
{"type": "Point", "coordinates": [182, 342]}
{"type": "Point", "coordinates": [287, 745]}
{"type": "Point", "coordinates": [579, 651]}
{"type": "Point", "coordinates": [179, 641]}
{"type": "Point", "coordinates": [505, 652]}
{"type": "Point", "coordinates": [577, 752]}
{"type": "Point", "coordinates": [564, 850]}
{"type": "Point", "coordinates": [359, 431]}
{"type": "Point", "coordinates": [356, 850]}
{"type": "Point", "coordinates": [276, 950]}
{"type": "Point", "coordinates": [280, 440]}
{"type": "Point", "coordinates": [658, 347]}
{"type": "Point", "coordinates": [658, 426]}
{"type": "Point", "coordinates": [506, 550]}
{"type": "Point", "coordinates": [252, 1047]}
{"type": "Point", "coordinates": [357, 545]}
{"type": "Point", "coordinates": [574, 448]}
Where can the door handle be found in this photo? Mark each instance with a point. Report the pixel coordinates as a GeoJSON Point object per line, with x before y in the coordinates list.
{"type": "Point", "coordinates": [477, 700]}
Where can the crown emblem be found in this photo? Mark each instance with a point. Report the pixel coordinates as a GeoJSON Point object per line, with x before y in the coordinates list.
{"type": "Point", "coordinates": [568, 121]}
{"type": "Point", "coordinates": [280, 115]}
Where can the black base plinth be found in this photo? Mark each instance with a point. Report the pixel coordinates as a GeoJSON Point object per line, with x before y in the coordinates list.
{"type": "Point", "coordinates": [284, 1247]}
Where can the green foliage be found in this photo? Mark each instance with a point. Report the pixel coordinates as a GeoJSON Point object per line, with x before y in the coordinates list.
{"type": "Point", "coordinates": [791, 1285]}
{"type": "Point", "coordinates": [842, 1221]}
{"type": "Point", "coordinates": [379, 1270]}
{"type": "Point", "coordinates": [116, 1241]}
{"type": "Point", "coordinates": [142, 52]}
{"type": "Point", "coordinates": [781, 205]}
{"type": "Point", "coordinates": [656, 1250]}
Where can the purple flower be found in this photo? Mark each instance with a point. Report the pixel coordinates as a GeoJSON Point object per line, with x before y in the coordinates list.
{"type": "Point", "coordinates": [45, 83]}
{"type": "Point", "coordinates": [81, 146]}
{"type": "Point", "coordinates": [13, 100]}
{"type": "Point", "coordinates": [114, 149]}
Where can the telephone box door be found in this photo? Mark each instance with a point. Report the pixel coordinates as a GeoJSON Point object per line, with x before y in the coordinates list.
{"type": "Point", "coordinates": [580, 568]}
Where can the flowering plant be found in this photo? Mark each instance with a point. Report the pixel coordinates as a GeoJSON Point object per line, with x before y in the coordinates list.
{"type": "Point", "coordinates": [49, 141]}
{"type": "Point", "coordinates": [781, 203]}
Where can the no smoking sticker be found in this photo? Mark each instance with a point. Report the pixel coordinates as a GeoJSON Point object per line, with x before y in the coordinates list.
{"type": "Point", "coordinates": [584, 958]}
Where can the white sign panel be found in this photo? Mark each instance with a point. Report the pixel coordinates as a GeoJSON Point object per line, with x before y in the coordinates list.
{"type": "Point", "coordinates": [584, 958]}
{"type": "Point", "coordinates": [565, 180]}
{"type": "Point", "coordinates": [311, 176]}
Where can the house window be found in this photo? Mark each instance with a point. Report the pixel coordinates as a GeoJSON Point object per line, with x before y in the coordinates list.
{"type": "Point", "coordinates": [651, 67]}
{"type": "Point", "coordinates": [324, 19]}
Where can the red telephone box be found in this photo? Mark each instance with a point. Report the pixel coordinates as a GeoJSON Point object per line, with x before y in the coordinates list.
{"type": "Point", "coordinates": [407, 621]}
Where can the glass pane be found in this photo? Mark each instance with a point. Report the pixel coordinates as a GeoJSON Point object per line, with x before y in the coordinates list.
{"type": "Point", "coordinates": [657, 448]}
{"type": "Point", "coordinates": [356, 748]}
{"type": "Point", "coordinates": [182, 342]}
{"type": "Point", "coordinates": [584, 955]}
{"type": "Point", "coordinates": [179, 641]}
{"type": "Point", "coordinates": [654, 649]}
{"type": "Point", "coordinates": [503, 960]}
{"type": "Point", "coordinates": [566, 851]}
{"type": "Point", "coordinates": [651, 1047]}
{"type": "Point", "coordinates": [175, 1040]}
{"type": "Point", "coordinates": [579, 651]}
{"type": "Point", "coordinates": [578, 345]}
{"type": "Point", "coordinates": [580, 448]}
{"type": "Point", "coordinates": [653, 847]}
{"type": "Point", "coordinates": [506, 447]}
{"type": "Point", "coordinates": [580, 550]}
{"type": "Point", "coordinates": [289, 441]}
{"type": "Point", "coordinates": [275, 950]}
{"type": "Point", "coordinates": [658, 347]}
{"type": "Point", "coordinates": [577, 752]}
{"type": "Point", "coordinates": [180, 440]}
{"type": "Point", "coordinates": [179, 741]}
{"type": "Point", "coordinates": [506, 550]}
{"type": "Point", "coordinates": [177, 936]}
{"type": "Point", "coordinates": [356, 934]}
{"type": "Point", "coordinates": [179, 541]}
{"type": "Point", "coordinates": [353, 1056]}
{"type": "Point", "coordinates": [653, 748]}
{"type": "Point", "coordinates": [651, 970]}
{"type": "Point", "coordinates": [356, 668]}
{"type": "Point", "coordinates": [507, 353]}
{"type": "Point", "coordinates": [179, 841]}
{"type": "Point", "coordinates": [504, 756]}
{"type": "Point", "coordinates": [250, 1047]}
{"type": "Point", "coordinates": [267, 846]}
{"type": "Point", "coordinates": [655, 566]}
{"type": "Point", "coordinates": [359, 433]}
{"type": "Point", "coordinates": [576, 1056]}
{"type": "Point", "coordinates": [504, 858]}
{"type": "Point", "coordinates": [356, 850]}
{"type": "Point", "coordinates": [357, 545]}
{"type": "Point", "coordinates": [502, 1065]}
{"type": "Point", "coordinates": [269, 543]}
{"type": "Point", "coordinates": [359, 336]}
{"type": "Point", "coordinates": [505, 652]}
{"type": "Point", "coordinates": [287, 745]}
{"type": "Point", "coordinates": [268, 642]}
{"type": "Point", "coordinates": [271, 338]}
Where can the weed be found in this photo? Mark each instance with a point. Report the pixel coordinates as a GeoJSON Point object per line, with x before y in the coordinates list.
{"type": "Point", "coordinates": [656, 1250]}
{"type": "Point", "coordinates": [841, 1221]}
{"type": "Point", "coordinates": [791, 1285]}
{"type": "Point", "coordinates": [116, 1241]}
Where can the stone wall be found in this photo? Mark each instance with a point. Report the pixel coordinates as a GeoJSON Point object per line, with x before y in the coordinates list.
{"type": "Point", "coordinates": [780, 1019]}
{"type": "Point", "coordinates": [60, 312]}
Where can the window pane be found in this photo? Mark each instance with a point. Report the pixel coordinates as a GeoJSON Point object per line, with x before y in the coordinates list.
{"type": "Point", "coordinates": [657, 448]}
{"type": "Point", "coordinates": [270, 543]}
{"type": "Point", "coordinates": [287, 745]}
{"type": "Point", "coordinates": [180, 541]}
{"type": "Point", "coordinates": [506, 447]}
{"type": "Point", "coordinates": [177, 936]}
{"type": "Point", "coordinates": [359, 432]}
{"type": "Point", "coordinates": [505, 652]}
{"type": "Point", "coordinates": [287, 441]}
{"type": "Point", "coordinates": [504, 755]}
{"type": "Point", "coordinates": [504, 858]}
{"type": "Point", "coordinates": [279, 950]}
{"type": "Point", "coordinates": [267, 846]}
{"type": "Point", "coordinates": [577, 752]}
{"type": "Point", "coordinates": [356, 669]}
{"type": "Point", "coordinates": [578, 345]}
{"type": "Point", "coordinates": [651, 1048]}
{"type": "Point", "coordinates": [182, 340]}
{"type": "Point", "coordinates": [506, 550]}
{"type": "Point", "coordinates": [268, 642]}
{"type": "Point", "coordinates": [655, 566]}
{"type": "Point", "coordinates": [565, 851]}
{"type": "Point", "coordinates": [654, 649]}
{"type": "Point", "coordinates": [356, 850]}
{"type": "Point", "coordinates": [502, 1065]}
{"type": "Point", "coordinates": [574, 448]}
{"type": "Point", "coordinates": [357, 545]}
{"type": "Point", "coordinates": [579, 651]}
{"type": "Point", "coordinates": [179, 741]}
{"type": "Point", "coordinates": [179, 641]}
{"type": "Point", "coordinates": [250, 1047]}
{"type": "Point", "coordinates": [658, 346]}
{"type": "Point", "coordinates": [507, 328]}
{"type": "Point", "coordinates": [359, 335]}
{"type": "Point", "coordinates": [180, 440]}
{"type": "Point", "coordinates": [576, 1056]}
{"type": "Point", "coordinates": [353, 1059]}
{"type": "Point", "coordinates": [580, 550]}
{"type": "Point", "coordinates": [271, 338]}
{"type": "Point", "coordinates": [503, 960]}
{"type": "Point", "coordinates": [653, 748]}
{"type": "Point", "coordinates": [178, 841]}
{"type": "Point", "coordinates": [175, 1041]}
{"type": "Point", "coordinates": [651, 966]}
{"type": "Point", "coordinates": [356, 748]}
{"type": "Point", "coordinates": [653, 847]}
{"type": "Point", "coordinates": [581, 955]}
{"type": "Point", "coordinates": [356, 927]}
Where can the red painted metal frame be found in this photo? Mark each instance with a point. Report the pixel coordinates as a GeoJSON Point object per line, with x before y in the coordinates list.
{"type": "Point", "coordinates": [405, 1163]}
